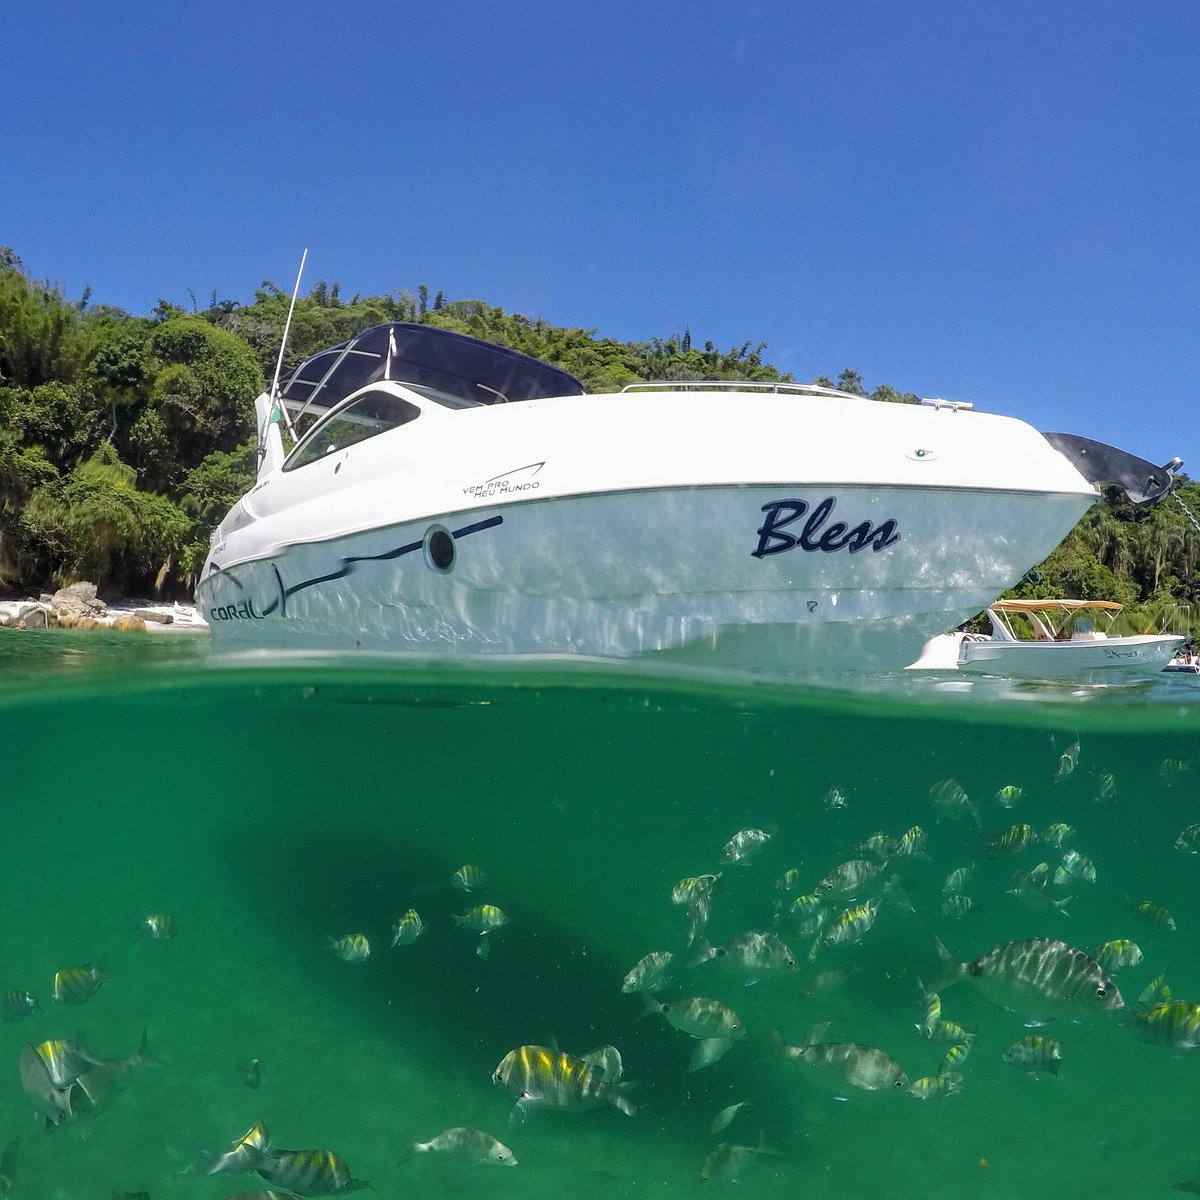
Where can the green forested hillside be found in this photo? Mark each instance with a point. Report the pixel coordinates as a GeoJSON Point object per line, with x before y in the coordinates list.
{"type": "Point", "coordinates": [124, 439]}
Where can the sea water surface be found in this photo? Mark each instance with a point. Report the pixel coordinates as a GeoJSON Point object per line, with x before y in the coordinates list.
{"type": "Point", "coordinates": [270, 804]}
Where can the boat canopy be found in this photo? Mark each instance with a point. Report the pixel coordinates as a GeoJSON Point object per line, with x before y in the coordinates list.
{"type": "Point", "coordinates": [1026, 606]}
{"type": "Point", "coordinates": [457, 369]}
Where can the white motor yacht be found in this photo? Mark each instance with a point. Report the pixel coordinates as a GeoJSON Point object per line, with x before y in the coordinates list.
{"type": "Point", "coordinates": [449, 496]}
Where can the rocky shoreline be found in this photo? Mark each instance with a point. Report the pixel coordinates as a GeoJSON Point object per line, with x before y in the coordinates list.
{"type": "Point", "coordinates": [78, 607]}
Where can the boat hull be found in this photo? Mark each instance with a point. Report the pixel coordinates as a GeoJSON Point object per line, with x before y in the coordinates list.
{"type": "Point", "coordinates": [783, 578]}
{"type": "Point", "coordinates": [1068, 659]}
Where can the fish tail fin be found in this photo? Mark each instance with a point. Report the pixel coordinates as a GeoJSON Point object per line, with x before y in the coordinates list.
{"type": "Point", "coordinates": [778, 1045]}
{"type": "Point", "coordinates": [703, 953]}
{"type": "Point", "coordinates": [763, 1147]}
{"type": "Point", "coordinates": [949, 968]}
{"type": "Point", "coordinates": [650, 1008]}
{"type": "Point", "coordinates": [411, 1150]}
{"type": "Point", "coordinates": [617, 1095]}
{"type": "Point", "coordinates": [204, 1160]}
{"type": "Point", "coordinates": [143, 1057]}
{"type": "Point", "coordinates": [816, 1033]}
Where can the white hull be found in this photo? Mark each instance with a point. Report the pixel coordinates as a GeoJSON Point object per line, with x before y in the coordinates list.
{"type": "Point", "coordinates": [1070, 659]}
{"type": "Point", "coordinates": [665, 572]}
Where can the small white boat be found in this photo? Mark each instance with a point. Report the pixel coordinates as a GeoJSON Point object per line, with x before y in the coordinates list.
{"type": "Point", "coordinates": [1186, 660]}
{"type": "Point", "coordinates": [1051, 639]}
{"type": "Point", "coordinates": [777, 526]}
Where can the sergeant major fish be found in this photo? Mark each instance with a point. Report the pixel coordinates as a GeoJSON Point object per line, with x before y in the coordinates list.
{"type": "Point", "coordinates": [1189, 840]}
{"type": "Point", "coordinates": [912, 843]}
{"type": "Point", "coordinates": [1010, 796]}
{"type": "Point", "coordinates": [1057, 834]}
{"type": "Point", "coordinates": [1013, 840]}
{"type": "Point", "coordinates": [1077, 866]}
{"type": "Point", "coordinates": [354, 947]}
{"type": "Point", "coordinates": [835, 799]}
{"type": "Point", "coordinates": [467, 878]}
{"type": "Point", "coordinates": [482, 919]}
{"type": "Point", "coordinates": [75, 985]}
{"type": "Point", "coordinates": [158, 927]}
{"type": "Point", "coordinates": [307, 1172]}
{"type": "Point", "coordinates": [240, 1157]}
{"type": "Point", "coordinates": [50, 1102]}
{"type": "Point", "coordinates": [1036, 1053]}
{"type": "Point", "coordinates": [1154, 914]}
{"type": "Point", "coordinates": [931, 1087]}
{"type": "Point", "coordinates": [852, 925]}
{"type": "Point", "coordinates": [957, 880]}
{"type": "Point", "coordinates": [1175, 1022]}
{"type": "Point", "coordinates": [1067, 762]}
{"type": "Point", "coordinates": [1117, 955]}
{"type": "Point", "coordinates": [407, 929]}
{"type": "Point", "coordinates": [949, 796]}
{"type": "Point", "coordinates": [17, 1005]}
{"type": "Point", "coordinates": [543, 1078]}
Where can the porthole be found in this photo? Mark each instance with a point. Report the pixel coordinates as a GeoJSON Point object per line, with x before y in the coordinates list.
{"type": "Point", "coordinates": [440, 550]}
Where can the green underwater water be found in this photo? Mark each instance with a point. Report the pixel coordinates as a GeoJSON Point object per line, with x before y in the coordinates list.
{"type": "Point", "coordinates": [266, 804]}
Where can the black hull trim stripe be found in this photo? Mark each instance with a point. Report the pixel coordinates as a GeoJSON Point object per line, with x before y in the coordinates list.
{"type": "Point", "coordinates": [348, 564]}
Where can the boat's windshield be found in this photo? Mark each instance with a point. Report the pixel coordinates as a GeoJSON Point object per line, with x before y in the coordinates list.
{"type": "Point", "coordinates": [451, 368]}
{"type": "Point", "coordinates": [370, 414]}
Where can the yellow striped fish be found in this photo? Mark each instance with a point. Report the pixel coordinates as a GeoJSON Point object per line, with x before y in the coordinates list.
{"type": "Point", "coordinates": [932, 1087]}
{"type": "Point", "coordinates": [1036, 1053]}
{"type": "Point", "coordinates": [543, 1078]}
{"type": "Point", "coordinates": [354, 947]}
{"type": "Point", "coordinates": [1155, 914]}
{"type": "Point", "coordinates": [407, 929]}
{"type": "Point", "coordinates": [1117, 955]}
{"type": "Point", "coordinates": [74, 985]}
{"type": "Point", "coordinates": [1176, 1022]}
{"type": "Point", "coordinates": [954, 1058]}
{"type": "Point", "coordinates": [158, 927]}
{"type": "Point", "coordinates": [309, 1172]}
{"type": "Point", "coordinates": [17, 1005]}
{"type": "Point", "coordinates": [483, 918]}
{"type": "Point", "coordinates": [242, 1155]}
{"type": "Point", "coordinates": [65, 1061]}
{"type": "Point", "coordinates": [851, 925]}
{"type": "Point", "coordinates": [1012, 840]}
{"type": "Point", "coordinates": [467, 878]}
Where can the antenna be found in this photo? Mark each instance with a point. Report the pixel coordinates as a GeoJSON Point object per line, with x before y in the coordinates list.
{"type": "Point", "coordinates": [283, 346]}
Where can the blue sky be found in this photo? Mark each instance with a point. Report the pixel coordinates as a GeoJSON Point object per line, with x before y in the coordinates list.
{"type": "Point", "coordinates": [988, 202]}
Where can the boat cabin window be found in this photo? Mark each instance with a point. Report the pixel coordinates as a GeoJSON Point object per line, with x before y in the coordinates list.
{"type": "Point", "coordinates": [372, 413]}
